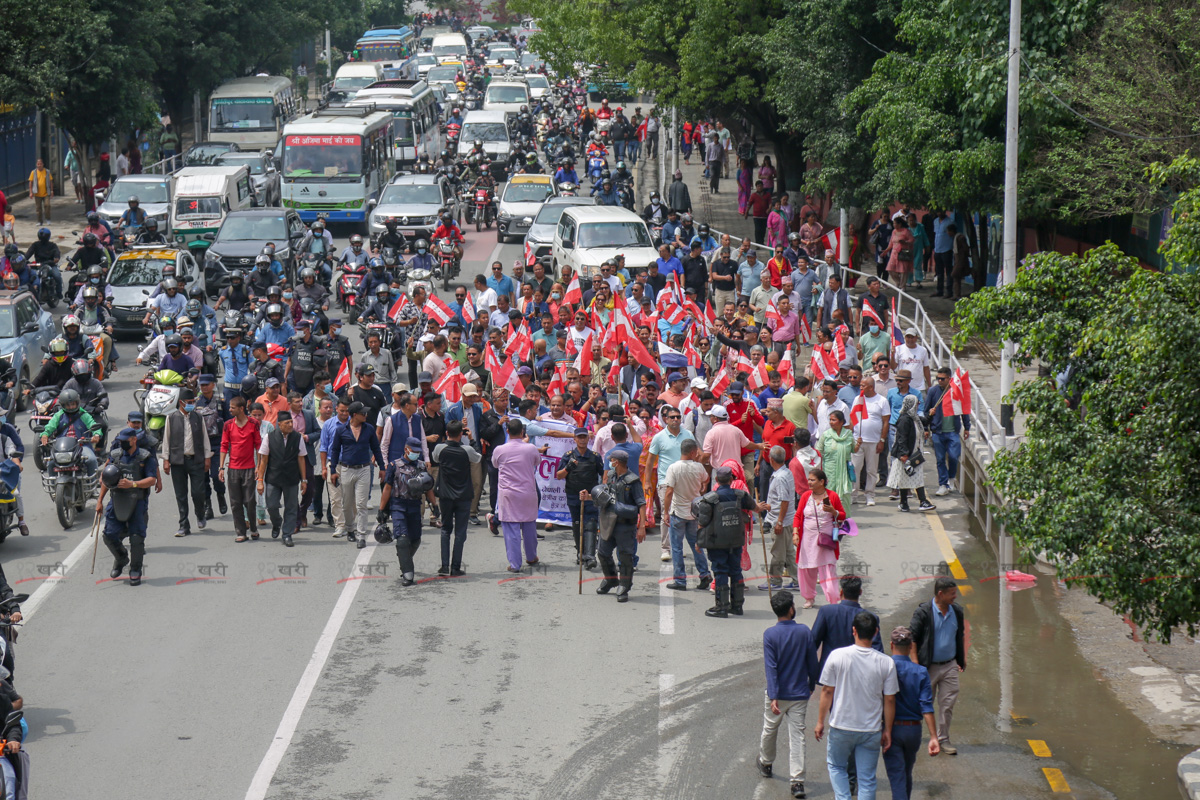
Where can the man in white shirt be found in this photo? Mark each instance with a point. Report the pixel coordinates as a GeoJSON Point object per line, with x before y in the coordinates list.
{"type": "Point", "coordinates": [913, 357]}
{"type": "Point", "coordinates": [858, 690]}
{"type": "Point", "coordinates": [829, 402]}
{"type": "Point", "coordinates": [485, 297]}
{"type": "Point", "coordinates": [871, 436]}
{"type": "Point", "coordinates": [579, 332]}
{"type": "Point", "coordinates": [435, 362]}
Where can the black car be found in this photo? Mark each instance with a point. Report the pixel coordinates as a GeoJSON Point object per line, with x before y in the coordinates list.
{"type": "Point", "coordinates": [242, 237]}
{"type": "Point", "coordinates": [206, 154]}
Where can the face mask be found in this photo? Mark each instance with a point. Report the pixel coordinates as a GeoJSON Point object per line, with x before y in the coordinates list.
{"type": "Point", "coordinates": [413, 456]}
{"type": "Point", "coordinates": [874, 329]}
{"type": "Point", "coordinates": [287, 295]}
{"type": "Point", "coordinates": [189, 407]}
{"type": "Point", "coordinates": [421, 250]}
{"type": "Point", "coordinates": [95, 281]}
{"type": "Point", "coordinates": [557, 296]}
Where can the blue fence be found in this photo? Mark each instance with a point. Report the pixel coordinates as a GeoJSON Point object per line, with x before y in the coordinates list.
{"type": "Point", "coordinates": [18, 148]}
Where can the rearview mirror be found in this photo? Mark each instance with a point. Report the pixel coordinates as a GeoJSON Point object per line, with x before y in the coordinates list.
{"type": "Point", "coordinates": [372, 203]}
{"type": "Point", "coordinates": [145, 291]}
{"type": "Point", "coordinates": [209, 237]}
{"type": "Point", "coordinates": [30, 327]}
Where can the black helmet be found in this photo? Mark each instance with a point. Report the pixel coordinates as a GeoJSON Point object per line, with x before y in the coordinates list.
{"type": "Point", "coordinates": [165, 322]}
{"type": "Point", "coordinates": [236, 277]}
{"type": "Point", "coordinates": [383, 533]}
{"type": "Point", "coordinates": [152, 225]}
{"type": "Point", "coordinates": [249, 384]}
{"type": "Point", "coordinates": [133, 200]}
{"type": "Point", "coordinates": [420, 483]}
{"type": "Point", "coordinates": [318, 225]}
{"type": "Point", "coordinates": [90, 240]}
{"type": "Point", "coordinates": [479, 143]}
{"type": "Point", "coordinates": [93, 218]}
{"type": "Point", "coordinates": [308, 272]}
{"type": "Point", "coordinates": [308, 305]}
{"type": "Point", "coordinates": [389, 223]}
{"type": "Point", "coordinates": [110, 476]}
{"type": "Point", "coordinates": [196, 293]}
{"type": "Point", "coordinates": [43, 234]}
{"type": "Point", "coordinates": [605, 174]}
{"type": "Point", "coordinates": [174, 340]}
{"type": "Point", "coordinates": [69, 401]}
{"type": "Point", "coordinates": [80, 367]}
{"type": "Point", "coordinates": [703, 229]}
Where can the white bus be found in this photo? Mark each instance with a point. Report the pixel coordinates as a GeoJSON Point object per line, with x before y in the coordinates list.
{"type": "Point", "coordinates": [336, 161]}
{"type": "Point", "coordinates": [415, 118]}
{"type": "Point", "coordinates": [250, 112]}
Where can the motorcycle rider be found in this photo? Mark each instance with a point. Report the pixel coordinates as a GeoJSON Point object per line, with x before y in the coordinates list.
{"type": "Point", "coordinates": [566, 172]}
{"type": "Point", "coordinates": [235, 293]}
{"type": "Point", "coordinates": [170, 303]}
{"type": "Point", "coordinates": [25, 274]}
{"type": "Point", "coordinates": [319, 241]}
{"type": "Point", "coordinates": [176, 358]}
{"type": "Point", "coordinates": [150, 233]}
{"type": "Point", "coordinates": [168, 273]}
{"type": "Point", "coordinates": [607, 196]}
{"type": "Point", "coordinates": [275, 329]}
{"type": "Point", "coordinates": [71, 419]}
{"type": "Point", "coordinates": [444, 159]}
{"type": "Point", "coordinates": [378, 275]}
{"type": "Point", "coordinates": [379, 307]}
{"type": "Point", "coordinates": [274, 295]}
{"type": "Point", "coordinates": [421, 258]}
{"type": "Point", "coordinates": [102, 230]}
{"type": "Point", "coordinates": [13, 448]}
{"type": "Point", "coordinates": [134, 215]}
{"type": "Point", "coordinates": [158, 344]}
{"type": "Point", "coordinates": [236, 358]}
{"type": "Point", "coordinates": [90, 254]}
{"type": "Point", "coordinates": [309, 289]}
{"type": "Point", "coordinates": [707, 242]}
{"type": "Point", "coordinates": [390, 238]}
{"type": "Point", "coordinates": [604, 112]}
{"type": "Point", "coordinates": [685, 233]}
{"type": "Point", "coordinates": [262, 277]}
{"type": "Point", "coordinates": [448, 229]}
{"type": "Point", "coordinates": [655, 212]}
{"type": "Point", "coordinates": [126, 481]}
{"type": "Point", "coordinates": [455, 118]}
{"type": "Point", "coordinates": [355, 256]}
{"type": "Point", "coordinates": [93, 397]}
{"type": "Point", "coordinates": [46, 252]}
{"type": "Point", "coordinates": [623, 175]}
{"type": "Point", "coordinates": [532, 166]}
{"type": "Point", "coordinates": [56, 367]}
{"type": "Point", "coordinates": [92, 312]}
{"type": "Point", "coordinates": [97, 280]}
{"type": "Point", "coordinates": [78, 345]}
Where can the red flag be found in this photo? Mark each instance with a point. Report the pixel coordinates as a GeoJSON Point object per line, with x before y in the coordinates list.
{"type": "Point", "coordinates": [530, 258]}
{"type": "Point", "coordinates": [614, 373]}
{"type": "Point", "coordinates": [897, 337]}
{"type": "Point", "coordinates": [720, 382]}
{"type": "Point", "coordinates": [787, 369]}
{"type": "Point", "coordinates": [805, 329]}
{"type": "Point", "coordinates": [491, 361]}
{"type": "Point", "coordinates": [437, 309]}
{"type": "Point", "coordinates": [506, 377]}
{"type": "Point", "coordinates": [573, 296]}
{"type": "Point", "coordinates": [869, 313]}
{"type": "Point", "coordinates": [689, 347]}
{"type": "Point", "coordinates": [622, 333]}
{"type": "Point", "coordinates": [558, 383]}
{"type": "Point", "coordinates": [758, 377]}
{"type": "Point", "coordinates": [343, 376]}
{"type": "Point", "coordinates": [397, 307]}
{"type": "Point", "coordinates": [858, 411]}
{"type": "Point", "coordinates": [824, 365]}
{"type": "Point", "coordinates": [957, 397]}
{"type": "Point", "coordinates": [832, 240]}
{"type": "Point", "coordinates": [519, 344]}
{"type": "Point", "coordinates": [772, 315]}
{"type": "Point", "coordinates": [839, 346]}
{"type": "Point", "coordinates": [450, 384]}
{"type": "Point", "coordinates": [469, 313]}
{"type": "Point", "coordinates": [744, 364]}
{"type": "Point", "coordinates": [583, 361]}
{"type": "Point", "coordinates": [709, 314]}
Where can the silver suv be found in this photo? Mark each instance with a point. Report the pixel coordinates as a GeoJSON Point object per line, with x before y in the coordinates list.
{"type": "Point", "coordinates": [414, 201]}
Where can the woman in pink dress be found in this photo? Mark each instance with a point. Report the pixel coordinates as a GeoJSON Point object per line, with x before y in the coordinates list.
{"type": "Point", "coordinates": [766, 174]}
{"type": "Point", "coordinates": [900, 252]}
{"type": "Point", "coordinates": [817, 511]}
{"type": "Point", "coordinates": [777, 225]}
{"type": "Point", "coordinates": [745, 183]}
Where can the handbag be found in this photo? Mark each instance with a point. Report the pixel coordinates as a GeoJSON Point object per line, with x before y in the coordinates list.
{"type": "Point", "coordinates": [824, 540]}
{"type": "Point", "coordinates": [905, 254]}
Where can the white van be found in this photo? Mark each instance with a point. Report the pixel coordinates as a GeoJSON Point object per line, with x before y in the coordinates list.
{"type": "Point", "coordinates": [356, 75]}
{"type": "Point", "coordinates": [587, 236]}
{"type": "Point", "coordinates": [450, 47]}
{"type": "Point", "coordinates": [491, 128]}
{"type": "Point", "coordinates": [506, 96]}
{"type": "Point", "coordinates": [204, 196]}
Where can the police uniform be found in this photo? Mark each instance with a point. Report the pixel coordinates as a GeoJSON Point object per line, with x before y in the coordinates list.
{"type": "Point", "coordinates": [215, 413]}
{"type": "Point", "coordinates": [584, 470]}
{"type": "Point", "coordinates": [406, 509]}
{"type": "Point", "coordinates": [722, 516]}
{"type": "Point", "coordinates": [128, 510]}
{"type": "Point", "coordinates": [304, 358]}
{"type": "Point", "coordinates": [620, 533]}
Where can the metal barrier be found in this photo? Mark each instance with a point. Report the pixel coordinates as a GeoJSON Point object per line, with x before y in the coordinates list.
{"type": "Point", "coordinates": [164, 167]}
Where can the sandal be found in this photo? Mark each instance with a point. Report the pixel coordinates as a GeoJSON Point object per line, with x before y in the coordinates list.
{"type": "Point", "coordinates": [254, 536]}
{"type": "Point", "coordinates": [808, 604]}
{"type": "Point", "coordinates": [240, 539]}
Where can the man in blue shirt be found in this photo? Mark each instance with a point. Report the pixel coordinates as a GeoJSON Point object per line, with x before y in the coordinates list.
{"type": "Point", "coordinates": [914, 703]}
{"type": "Point", "coordinates": [938, 629]}
{"type": "Point", "coordinates": [329, 429]}
{"type": "Point", "coordinates": [501, 283]}
{"type": "Point", "coordinates": [668, 263]}
{"type": "Point", "coordinates": [749, 274]}
{"type": "Point", "coordinates": [620, 437]}
{"type": "Point", "coordinates": [790, 658]}
{"type": "Point", "coordinates": [354, 445]}
{"type": "Point", "coordinates": [895, 398]}
{"type": "Point", "coordinates": [943, 258]}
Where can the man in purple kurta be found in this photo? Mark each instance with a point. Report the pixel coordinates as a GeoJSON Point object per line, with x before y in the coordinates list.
{"type": "Point", "coordinates": [517, 508]}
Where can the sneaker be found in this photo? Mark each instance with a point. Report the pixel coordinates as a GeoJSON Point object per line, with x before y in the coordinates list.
{"type": "Point", "coordinates": [870, 501]}
{"type": "Point", "coordinates": [953, 486]}
{"type": "Point", "coordinates": [798, 789]}
{"type": "Point", "coordinates": [928, 506]}
{"type": "Point", "coordinates": [338, 534]}
{"type": "Point", "coordinates": [942, 491]}
{"type": "Point", "coordinates": [475, 521]}
{"type": "Point", "coordinates": [948, 748]}
{"type": "Point", "coordinates": [768, 587]}
{"type": "Point", "coordinates": [457, 573]}
{"type": "Point", "coordinates": [443, 570]}
{"type": "Point", "coordinates": [894, 496]}
{"type": "Point", "coordinates": [766, 770]}
{"type": "Point", "coordinates": [903, 508]}
{"type": "Point", "coordinates": [179, 534]}
{"type": "Point", "coordinates": [677, 585]}
{"type": "Point", "coordinates": [201, 523]}
{"type": "Point", "coordinates": [665, 556]}
{"type": "Point", "coordinates": [790, 585]}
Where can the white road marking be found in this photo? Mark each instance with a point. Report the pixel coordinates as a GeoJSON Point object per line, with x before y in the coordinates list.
{"type": "Point", "coordinates": [308, 681]}
{"type": "Point", "coordinates": [42, 593]}
{"type": "Point", "coordinates": [666, 602]}
{"type": "Point", "coordinates": [666, 695]}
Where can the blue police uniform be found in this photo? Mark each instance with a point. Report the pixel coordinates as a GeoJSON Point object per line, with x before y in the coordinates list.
{"type": "Point", "coordinates": [236, 361]}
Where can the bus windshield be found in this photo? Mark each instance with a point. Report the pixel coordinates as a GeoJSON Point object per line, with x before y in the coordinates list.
{"type": "Point", "coordinates": [243, 114]}
{"type": "Point", "coordinates": [330, 157]}
{"type": "Point", "coordinates": [380, 51]}
{"type": "Point", "coordinates": [402, 127]}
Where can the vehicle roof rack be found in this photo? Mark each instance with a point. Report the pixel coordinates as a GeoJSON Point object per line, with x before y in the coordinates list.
{"type": "Point", "coordinates": [345, 111]}
{"type": "Point", "coordinates": [396, 83]}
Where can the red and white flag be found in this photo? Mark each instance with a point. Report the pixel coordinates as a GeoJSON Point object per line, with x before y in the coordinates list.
{"type": "Point", "coordinates": [897, 336]}
{"type": "Point", "coordinates": [397, 307]}
{"type": "Point", "coordinates": [506, 377]}
{"type": "Point", "coordinates": [839, 346]}
{"type": "Point", "coordinates": [824, 364]}
{"type": "Point", "coordinates": [869, 313]}
{"type": "Point", "coordinates": [519, 344]}
{"type": "Point", "coordinates": [614, 373]}
{"type": "Point", "coordinates": [805, 329]}
{"type": "Point", "coordinates": [574, 295]}
{"type": "Point", "coordinates": [530, 258]}
{"type": "Point", "coordinates": [744, 364]}
{"type": "Point", "coordinates": [558, 383]}
{"type": "Point", "coordinates": [720, 382]}
{"type": "Point", "coordinates": [343, 376]}
{"type": "Point", "coordinates": [622, 333]}
{"type": "Point", "coordinates": [468, 310]}
{"type": "Point", "coordinates": [787, 368]}
{"type": "Point", "coordinates": [491, 361]}
{"type": "Point", "coordinates": [689, 348]}
{"type": "Point", "coordinates": [709, 314]}
{"type": "Point", "coordinates": [583, 361]}
{"type": "Point", "coordinates": [772, 315]}
{"type": "Point", "coordinates": [957, 398]}
{"type": "Point", "coordinates": [758, 377]}
{"type": "Point", "coordinates": [437, 309]}
{"type": "Point", "coordinates": [858, 411]}
{"type": "Point", "coordinates": [450, 384]}
{"type": "Point", "coordinates": [832, 241]}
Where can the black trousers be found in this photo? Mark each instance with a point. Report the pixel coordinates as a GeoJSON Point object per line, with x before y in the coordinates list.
{"type": "Point", "coordinates": [316, 485]}
{"type": "Point", "coordinates": [760, 230]}
{"type": "Point", "coordinates": [943, 263]}
{"type": "Point", "coordinates": [454, 520]}
{"type": "Point", "coordinates": [189, 474]}
{"type": "Point", "coordinates": [493, 482]}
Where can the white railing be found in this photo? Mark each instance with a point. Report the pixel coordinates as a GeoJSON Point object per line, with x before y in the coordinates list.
{"type": "Point", "coordinates": [164, 167]}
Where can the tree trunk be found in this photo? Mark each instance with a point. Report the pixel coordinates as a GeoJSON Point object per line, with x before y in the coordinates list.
{"type": "Point", "coordinates": [982, 263]}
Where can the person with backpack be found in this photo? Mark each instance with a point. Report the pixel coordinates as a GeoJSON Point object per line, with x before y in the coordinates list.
{"type": "Point", "coordinates": [622, 525]}
{"type": "Point", "coordinates": [722, 516]}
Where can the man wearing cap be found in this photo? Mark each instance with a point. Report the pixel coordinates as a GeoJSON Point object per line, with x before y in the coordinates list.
{"type": "Point", "coordinates": [281, 471]}
{"type": "Point", "coordinates": [744, 415]}
{"type": "Point", "coordinates": [582, 470]}
{"type": "Point", "coordinates": [402, 494]}
{"type": "Point", "coordinates": [718, 533]}
{"type": "Point", "coordinates": [516, 464]}
{"type": "Point", "coordinates": [455, 487]}
{"type": "Point", "coordinates": [469, 412]}
{"type": "Point", "coordinates": [188, 451]}
{"type": "Point", "coordinates": [128, 506]}
{"type": "Point", "coordinates": [272, 401]}
{"type": "Point", "coordinates": [790, 659]}
{"type": "Point", "coordinates": [212, 411]}
{"type": "Point", "coordinates": [914, 704]}
{"type": "Point", "coordinates": [676, 389]}
{"type": "Point", "coordinates": [618, 533]}
{"type": "Point", "coordinates": [697, 389]}
{"type": "Point", "coordinates": [370, 395]}
{"type": "Point", "coordinates": [400, 426]}
{"type": "Point", "coordinates": [264, 367]}
{"type": "Point", "coordinates": [913, 356]}
{"type": "Point", "coordinates": [352, 452]}
{"type": "Point", "coordinates": [665, 450]}
{"type": "Point", "coordinates": [493, 434]}
{"type": "Point", "coordinates": [382, 360]}
{"type": "Point", "coordinates": [236, 358]}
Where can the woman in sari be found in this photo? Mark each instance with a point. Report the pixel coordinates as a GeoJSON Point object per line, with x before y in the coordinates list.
{"type": "Point", "coordinates": [817, 511]}
{"type": "Point", "coordinates": [766, 174]}
{"type": "Point", "coordinates": [836, 446]}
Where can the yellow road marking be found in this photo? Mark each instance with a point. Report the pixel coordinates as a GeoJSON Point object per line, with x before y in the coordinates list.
{"type": "Point", "coordinates": [965, 589]}
{"type": "Point", "coordinates": [1039, 748]}
{"type": "Point", "coordinates": [1058, 784]}
{"type": "Point", "coordinates": [943, 541]}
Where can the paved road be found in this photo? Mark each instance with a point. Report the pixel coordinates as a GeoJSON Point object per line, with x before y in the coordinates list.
{"type": "Point", "coordinates": [338, 682]}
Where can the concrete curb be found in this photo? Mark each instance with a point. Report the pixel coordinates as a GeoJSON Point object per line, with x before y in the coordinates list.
{"type": "Point", "coordinates": [1189, 775]}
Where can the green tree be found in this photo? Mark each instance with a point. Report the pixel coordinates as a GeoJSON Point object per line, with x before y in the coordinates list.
{"type": "Point", "coordinates": [1105, 480]}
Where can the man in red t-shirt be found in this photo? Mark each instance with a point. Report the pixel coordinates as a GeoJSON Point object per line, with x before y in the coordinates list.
{"type": "Point", "coordinates": [776, 431]}
{"type": "Point", "coordinates": [758, 205]}
{"type": "Point", "coordinates": [240, 440]}
{"type": "Point", "coordinates": [745, 416]}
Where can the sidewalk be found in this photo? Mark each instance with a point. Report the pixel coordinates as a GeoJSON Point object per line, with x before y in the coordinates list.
{"type": "Point", "coordinates": [67, 219]}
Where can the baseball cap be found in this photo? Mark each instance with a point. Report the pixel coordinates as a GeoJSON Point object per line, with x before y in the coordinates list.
{"type": "Point", "coordinates": [136, 416]}
{"type": "Point", "coordinates": [357, 408]}
{"type": "Point", "coordinates": [206, 378]}
{"type": "Point", "coordinates": [737, 387]}
{"type": "Point", "coordinates": [911, 332]}
{"type": "Point", "coordinates": [582, 432]}
{"type": "Point", "coordinates": [365, 369]}
{"type": "Point", "coordinates": [675, 376]}
{"type": "Point", "coordinates": [718, 412]}
{"type": "Point", "coordinates": [524, 371]}
{"type": "Point", "coordinates": [272, 382]}
{"type": "Point", "coordinates": [425, 377]}
{"type": "Point", "coordinates": [414, 443]}
{"type": "Point", "coordinates": [399, 387]}
{"type": "Point", "coordinates": [126, 434]}
{"type": "Point", "coordinates": [699, 383]}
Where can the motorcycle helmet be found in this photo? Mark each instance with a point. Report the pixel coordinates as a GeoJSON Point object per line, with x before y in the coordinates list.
{"type": "Point", "coordinates": [170, 284]}
{"type": "Point", "coordinates": [133, 201]}
{"type": "Point", "coordinates": [70, 321]}
{"type": "Point", "coordinates": [531, 159]}
{"type": "Point", "coordinates": [383, 290]}
{"type": "Point", "coordinates": [58, 349]}
{"type": "Point", "coordinates": [43, 235]}
{"type": "Point", "coordinates": [91, 293]}
{"type": "Point", "coordinates": [68, 401]}
{"type": "Point", "coordinates": [110, 476]}
{"type": "Point", "coordinates": [421, 246]}
{"type": "Point", "coordinates": [686, 219]}
{"type": "Point", "coordinates": [306, 273]}
{"type": "Point", "coordinates": [152, 225]}
{"type": "Point", "coordinates": [607, 183]}
{"type": "Point", "coordinates": [274, 293]}
{"type": "Point", "coordinates": [383, 533]}
{"type": "Point", "coordinates": [95, 274]}
{"type": "Point", "coordinates": [262, 261]}
{"type": "Point", "coordinates": [620, 166]}
{"type": "Point", "coordinates": [275, 315]}
{"type": "Point", "coordinates": [196, 293]}
{"type": "Point", "coordinates": [703, 229]}
{"type": "Point", "coordinates": [192, 309]}
{"type": "Point", "coordinates": [166, 323]}
{"type": "Point", "coordinates": [93, 218]}
{"type": "Point", "coordinates": [356, 241]}
{"type": "Point", "coordinates": [377, 263]}
{"type": "Point", "coordinates": [168, 271]}
{"type": "Point", "coordinates": [319, 225]}
{"type": "Point", "coordinates": [249, 385]}
{"type": "Point", "coordinates": [653, 196]}
{"type": "Point", "coordinates": [89, 240]}
{"type": "Point", "coordinates": [605, 174]}
{"type": "Point", "coordinates": [479, 144]}
{"type": "Point", "coordinates": [446, 153]}
{"type": "Point", "coordinates": [236, 278]}
{"type": "Point", "coordinates": [80, 367]}
{"type": "Point", "coordinates": [390, 224]}
{"type": "Point", "coordinates": [793, 237]}
{"type": "Point", "coordinates": [174, 340]}
{"type": "Point", "coordinates": [420, 483]}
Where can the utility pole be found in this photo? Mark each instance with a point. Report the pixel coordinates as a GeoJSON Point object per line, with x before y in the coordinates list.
{"type": "Point", "coordinates": [673, 140]}
{"type": "Point", "coordinates": [844, 242]}
{"type": "Point", "coordinates": [328, 56]}
{"type": "Point", "coordinates": [1009, 255]}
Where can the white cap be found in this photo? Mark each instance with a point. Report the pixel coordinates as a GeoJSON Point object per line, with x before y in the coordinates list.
{"type": "Point", "coordinates": [718, 412]}
{"type": "Point", "coordinates": [699, 383]}
{"type": "Point", "coordinates": [911, 332]}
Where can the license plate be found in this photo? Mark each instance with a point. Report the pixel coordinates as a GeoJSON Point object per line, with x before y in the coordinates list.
{"type": "Point", "coordinates": [410, 234]}
{"type": "Point", "coordinates": [322, 215]}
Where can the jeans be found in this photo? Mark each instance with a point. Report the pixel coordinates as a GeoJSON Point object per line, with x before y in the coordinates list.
{"type": "Point", "coordinates": [619, 150]}
{"type": "Point", "coordinates": [681, 530]}
{"type": "Point", "coordinates": [454, 519]}
{"type": "Point", "coordinates": [288, 496]}
{"type": "Point", "coordinates": [899, 759]}
{"type": "Point", "coordinates": [942, 265]}
{"type": "Point", "coordinates": [726, 565]}
{"type": "Point", "coordinates": [10, 779]}
{"type": "Point", "coordinates": [947, 447]}
{"type": "Point", "coordinates": [865, 749]}
{"type": "Point", "coordinates": [794, 712]}
{"type": "Point", "coordinates": [56, 275]}
{"type": "Point", "coordinates": [632, 149]}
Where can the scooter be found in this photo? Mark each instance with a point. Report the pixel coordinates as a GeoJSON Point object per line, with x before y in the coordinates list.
{"type": "Point", "coordinates": [596, 165]}
{"type": "Point", "coordinates": [98, 357]}
{"type": "Point", "coordinates": [160, 398]}
{"type": "Point", "coordinates": [347, 287]}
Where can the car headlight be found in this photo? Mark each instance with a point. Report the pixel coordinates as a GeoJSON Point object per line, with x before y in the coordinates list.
{"type": "Point", "coordinates": [180, 238]}
{"type": "Point", "coordinates": [505, 216]}
{"type": "Point", "coordinates": [209, 256]}
{"type": "Point", "coordinates": [377, 219]}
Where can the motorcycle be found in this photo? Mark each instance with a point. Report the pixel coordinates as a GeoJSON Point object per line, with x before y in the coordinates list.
{"type": "Point", "coordinates": [625, 195]}
{"type": "Point", "coordinates": [160, 397]}
{"type": "Point", "coordinates": [567, 189]}
{"type": "Point", "coordinates": [98, 357]}
{"type": "Point", "coordinates": [21, 783]}
{"type": "Point", "coordinates": [347, 287]}
{"type": "Point", "coordinates": [45, 405]}
{"type": "Point", "coordinates": [48, 293]}
{"type": "Point", "coordinates": [10, 479]}
{"type": "Point", "coordinates": [596, 164]}
{"type": "Point", "coordinates": [449, 261]}
{"type": "Point", "coordinates": [484, 209]}
{"type": "Point", "coordinates": [66, 481]}
{"type": "Point", "coordinates": [418, 277]}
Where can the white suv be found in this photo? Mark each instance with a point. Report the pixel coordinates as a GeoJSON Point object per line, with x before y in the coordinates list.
{"type": "Point", "coordinates": [587, 236]}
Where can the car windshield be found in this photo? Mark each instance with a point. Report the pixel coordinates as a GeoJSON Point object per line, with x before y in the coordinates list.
{"type": "Point", "coordinates": [537, 82]}
{"type": "Point", "coordinates": [530, 59]}
{"type": "Point", "coordinates": [243, 114]}
{"type": "Point", "coordinates": [502, 52]}
{"type": "Point", "coordinates": [449, 50]}
{"type": "Point", "coordinates": [412, 194]}
{"type": "Point", "coordinates": [8, 324]}
{"type": "Point", "coordinates": [138, 271]}
{"type": "Point", "coordinates": [526, 192]}
{"type": "Point", "coordinates": [198, 207]}
{"type": "Point", "coordinates": [205, 154]}
{"type": "Point", "coordinates": [614, 234]}
{"type": "Point", "coordinates": [255, 163]}
{"type": "Point", "coordinates": [269, 227]}
{"type": "Point", "coordinates": [550, 214]}
{"type": "Point", "coordinates": [485, 131]}
{"type": "Point", "coordinates": [353, 84]}
{"type": "Point", "coordinates": [507, 94]}
{"type": "Point", "coordinates": [442, 74]}
{"type": "Point", "coordinates": [146, 193]}
{"type": "Point", "coordinates": [426, 58]}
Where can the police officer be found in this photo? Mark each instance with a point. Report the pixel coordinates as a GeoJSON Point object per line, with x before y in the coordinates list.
{"type": "Point", "coordinates": [722, 516]}
{"type": "Point", "coordinates": [302, 359]}
{"type": "Point", "coordinates": [236, 358]}
{"type": "Point", "coordinates": [126, 481]}
{"type": "Point", "coordinates": [264, 368]}
{"type": "Point", "coordinates": [214, 413]}
{"type": "Point", "coordinates": [454, 491]}
{"type": "Point", "coordinates": [623, 526]}
{"type": "Point", "coordinates": [337, 350]}
{"type": "Point", "coordinates": [583, 469]}
{"type": "Point", "coordinates": [404, 484]}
